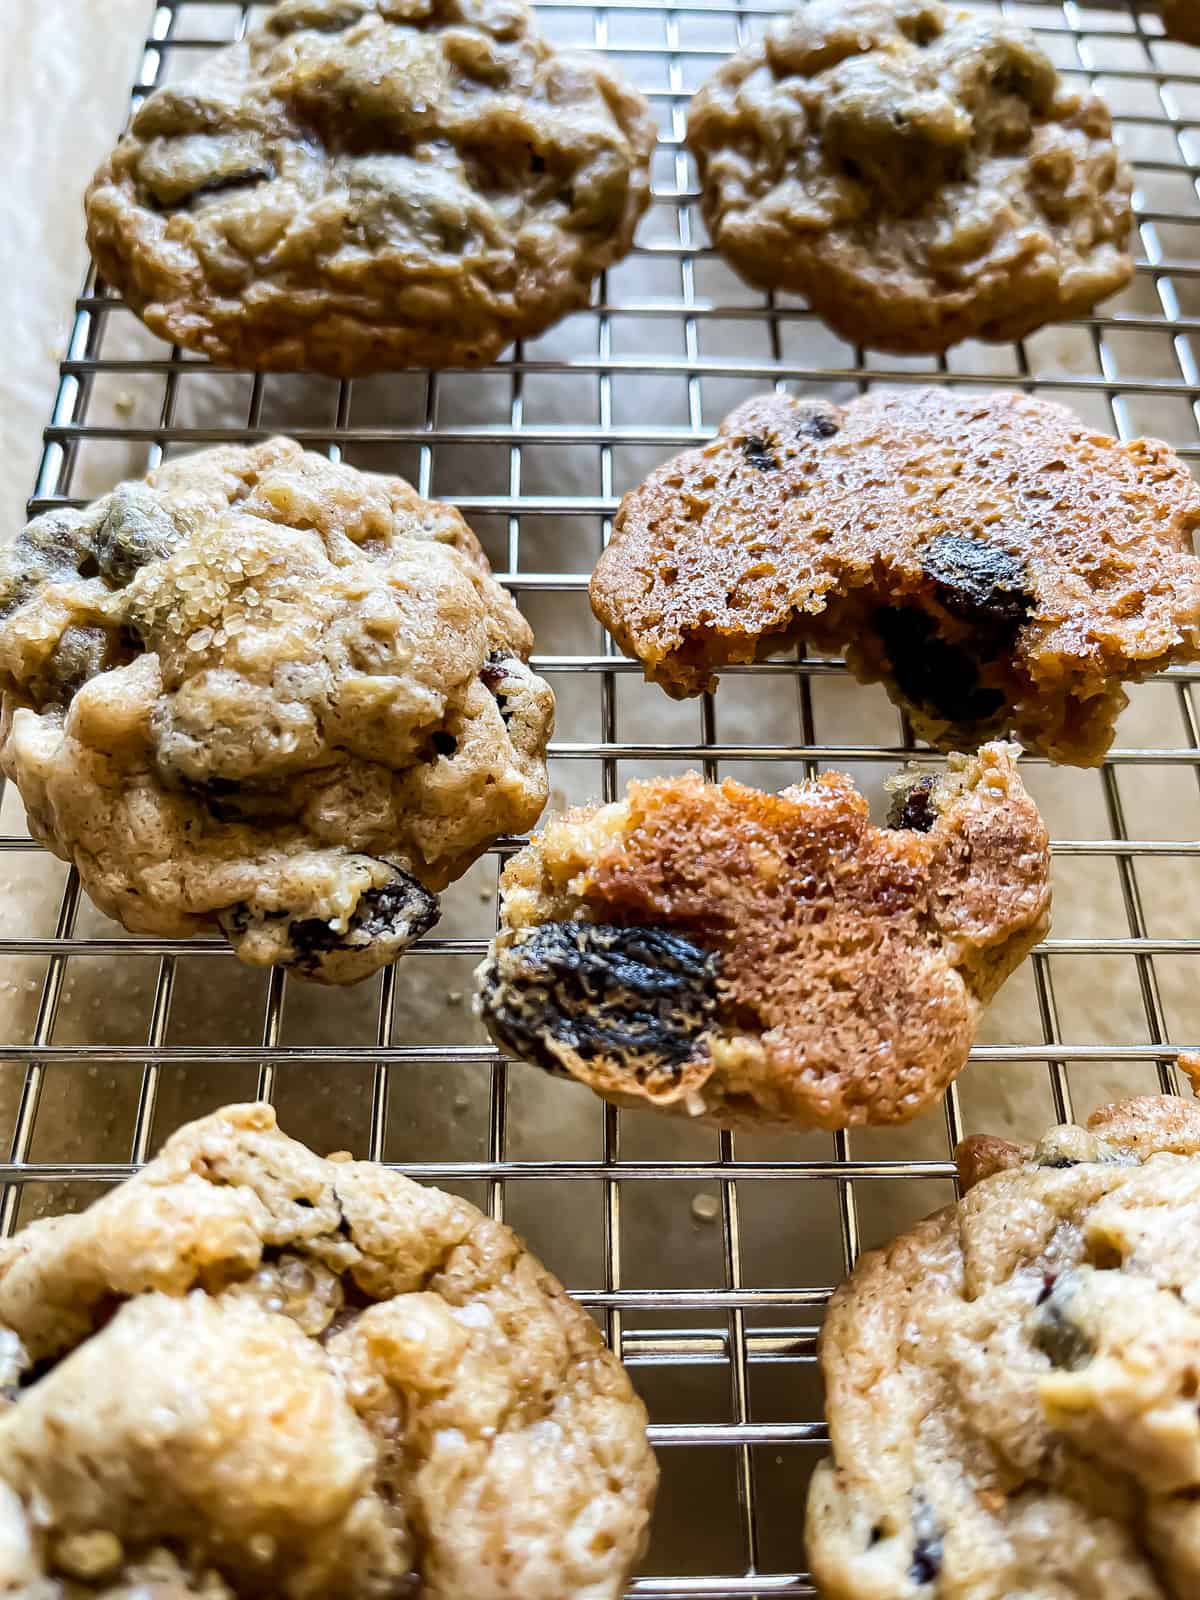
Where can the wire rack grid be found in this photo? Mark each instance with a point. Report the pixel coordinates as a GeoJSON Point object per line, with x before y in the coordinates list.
{"type": "Point", "coordinates": [706, 1257]}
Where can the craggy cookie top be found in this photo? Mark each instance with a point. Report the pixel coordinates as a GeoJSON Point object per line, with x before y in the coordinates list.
{"type": "Point", "coordinates": [365, 184]}
{"type": "Point", "coordinates": [269, 690]}
{"type": "Point", "coordinates": [1011, 1387]}
{"type": "Point", "coordinates": [920, 173]}
{"type": "Point", "coordinates": [995, 562]}
{"type": "Point", "coordinates": [251, 1371]}
{"type": "Point", "coordinates": [749, 957]}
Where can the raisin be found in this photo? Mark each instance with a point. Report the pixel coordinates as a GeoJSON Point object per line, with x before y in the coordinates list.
{"type": "Point", "coordinates": [51, 547]}
{"type": "Point", "coordinates": [1055, 1334]}
{"type": "Point", "coordinates": [81, 654]}
{"type": "Point", "coordinates": [926, 1561]}
{"type": "Point", "coordinates": [401, 906]}
{"type": "Point", "coordinates": [230, 799]}
{"type": "Point", "coordinates": [927, 1545]}
{"type": "Point", "coordinates": [754, 448]}
{"type": "Point", "coordinates": [943, 678]}
{"type": "Point", "coordinates": [494, 670]}
{"type": "Point", "coordinates": [818, 422]}
{"type": "Point", "coordinates": [245, 179]}
{"type": "Point", "coordinates": [640, 997]}
{"type": "Point", "coordinates": [395, 913]}
{"type": "Point", "coordinates": [497, 669]}
{"type": "Point", "coordinates": [978, 582]}
{"type": "Point", "coordinates": [913, 807]}
{"type": "Point", "coordinates": [135, 531]}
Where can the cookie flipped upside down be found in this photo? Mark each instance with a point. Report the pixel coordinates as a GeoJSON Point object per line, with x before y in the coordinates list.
{"type": "Point", "coordinates": [267, 692]}
{"type": "Point", "coordinates": [995, 563]}
{"type": "Point", "coordinates": [1011, 1386]}
{"type": "Point", "coordinates": [746, 958]}
{"type": "Point", "coordinates": [252, 1372]}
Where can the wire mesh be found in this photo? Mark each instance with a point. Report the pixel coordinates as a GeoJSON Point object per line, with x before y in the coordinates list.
{"type": "Point", "coordinates": [706, 1257]}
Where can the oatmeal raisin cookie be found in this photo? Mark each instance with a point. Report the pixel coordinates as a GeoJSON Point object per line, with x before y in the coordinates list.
{"type": "Point", "coordinates": [1011, 1386]}
{"type": "Point", "coordinates": [995, 563]}
{"type": "Point", "coordinates": [268, 692]}
{"type": "Point", "coordinates": [754, 958]}
{"type": "Point", "coordinates": [920, 173]}
{"type": "Point", "coordinates": [249, 1371]}
{"type": "Point", "coordinates": [367, 184]}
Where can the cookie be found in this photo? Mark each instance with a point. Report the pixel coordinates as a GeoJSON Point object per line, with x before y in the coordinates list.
{"type": "Point", "coordinates": [991, 560]}
{"type": "Point", "coordinates": [749, 958]}
{"type": "Point", "coordinates": [360, 185]}
{"type": "Point", "coordinates": [1181, 20]}
{"type": "Point", "coordinates": [920, 174]}
{"type": "Point", "coordinates": [264, 692]}
{"type": "Point", "coordinates": [252, 1371]}
{"type": "Point", "coordinates": [1011, 1386]}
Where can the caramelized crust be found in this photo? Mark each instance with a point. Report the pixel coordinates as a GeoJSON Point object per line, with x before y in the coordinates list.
{"type": "Point", "coordinates": [994, 562]}
{"type": "Point", "coordinates": [981, 1156]}
{"type": "Point", "coordinates": [851, 961]}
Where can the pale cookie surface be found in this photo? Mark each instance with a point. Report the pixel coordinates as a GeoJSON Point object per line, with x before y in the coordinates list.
{"type": "Point", "coordinates": [267, 691]}
{"type": "Point", "coordinates": [998, 565]}
{"type": "Point", "coordinates": [718, 952]}
{"type": "Point", "coordinates": [1011, 1387]}
{"type": "Point", "coordinates": [921, 174]}
{"type": "Point", "coordinates": [250, 1371]}
{"type": "Point", "coordinates": [369, 184]}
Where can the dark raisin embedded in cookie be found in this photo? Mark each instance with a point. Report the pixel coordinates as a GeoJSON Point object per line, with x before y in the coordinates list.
{"type": "Point", "coordinates": [758, 455]}
{"type": "Point", "coordinates": [996, 564]}
{"type": "Point", "coordinates": [263, 1373]}
{"type": "Point", "coordinates": [921, 174]}
{"type": "Point", "coordinates": [642, 997]}
{"type": "Point", "coordinates": [928, 1549]}
{"type": "Point", "coordinates": [751, 958]}
{"type": "Point", "coordinates": [978, 582]}
{"type": "Point", "coordinates": [913, 804]}
{"type": "Point", "coordinates": [267, 692]}
{"type": "Point", "coordinates": [357, 187]}
{"type": "Point", "coordinates": [388, 916]}
{"type": "Point", "coordinates": [1011, 1385]}
{"type": "Point", "coordinates": [940, 681]}
{"type": "Point", "coordinates": [1055, 1332]}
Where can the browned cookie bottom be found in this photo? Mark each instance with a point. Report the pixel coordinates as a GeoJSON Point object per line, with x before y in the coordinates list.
{"type": "Point", "coordinates": [743, 957]}
{"type": "Point", "coordinates": [995, 563]}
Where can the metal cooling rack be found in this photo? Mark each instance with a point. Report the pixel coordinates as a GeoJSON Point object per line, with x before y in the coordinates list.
{"type": "Point", "coordinates": [706, 1257]}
